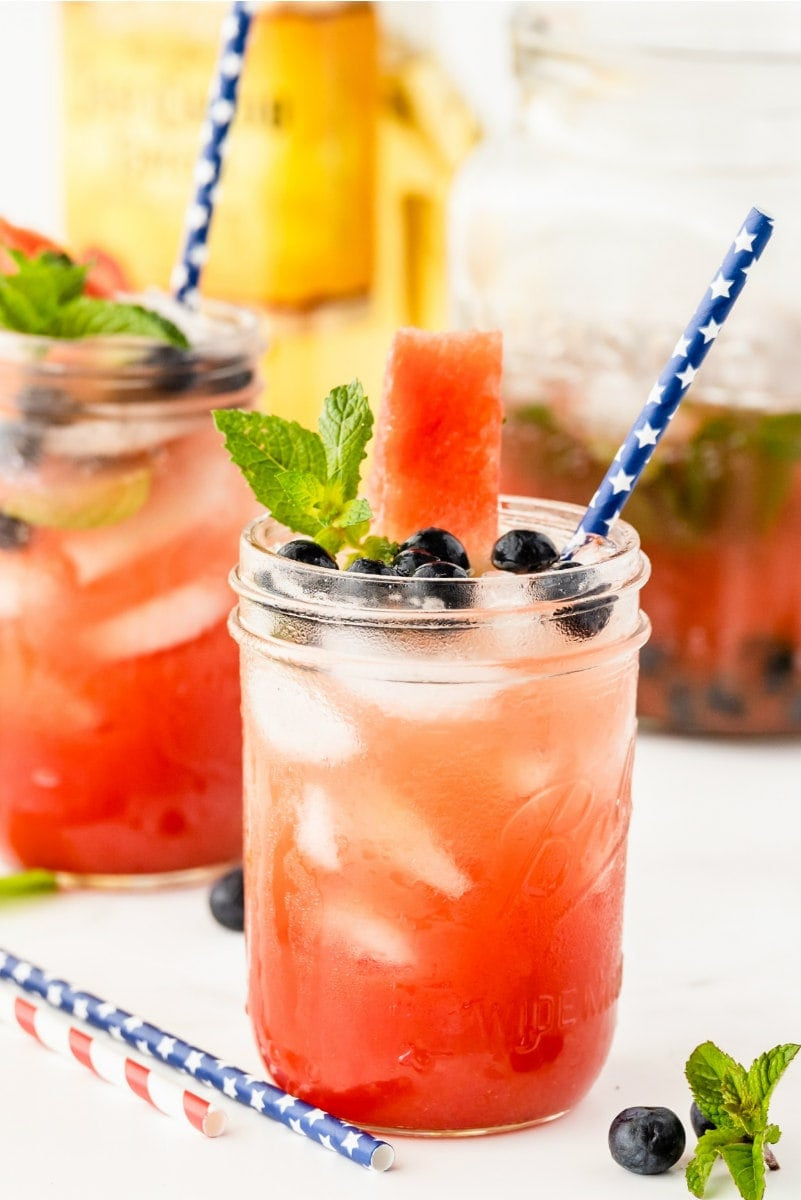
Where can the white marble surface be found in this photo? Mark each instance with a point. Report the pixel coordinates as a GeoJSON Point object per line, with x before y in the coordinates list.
{"type": "Point", "coordinates": [712, 951]}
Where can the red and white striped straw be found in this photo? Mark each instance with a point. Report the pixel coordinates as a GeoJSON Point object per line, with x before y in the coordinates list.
{"type": "Point", "coordinates": [109, 1062]}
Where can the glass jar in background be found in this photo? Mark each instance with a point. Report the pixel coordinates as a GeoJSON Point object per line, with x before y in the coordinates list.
{"type": "Point", "coordinates": [120, 746]}
{"type": "Point", "coordinates": [437, 802]}
{"type": "Point", "coordinates": [644, 133]}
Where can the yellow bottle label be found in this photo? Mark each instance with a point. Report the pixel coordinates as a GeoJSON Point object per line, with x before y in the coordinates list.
{"type": "Point", "coordinates": [293, 222]}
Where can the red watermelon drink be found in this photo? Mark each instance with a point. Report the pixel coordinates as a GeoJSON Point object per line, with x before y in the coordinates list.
{"type": "Point", "coordinates": [120, 747]}
{"type": "Point", "coordinates": [437, 768]}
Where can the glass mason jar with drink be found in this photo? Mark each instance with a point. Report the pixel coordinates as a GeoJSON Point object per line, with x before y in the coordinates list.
{"type": "Point", "coordinates": [580, 236]}
{"type": "Point", "coordinates": [437, 796]}
{"type": "Point", "coordinates": [120, 750]}
{"type": "Point", "coordinates": [439, 720]}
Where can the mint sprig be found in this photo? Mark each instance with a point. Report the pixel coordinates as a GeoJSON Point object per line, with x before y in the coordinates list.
{"type": "Point", "coordinates": [309, 480]}
{"type": "Point", "coordinates": [45, 298]}
{"type": "Point", "coordinates": [736, 1101]}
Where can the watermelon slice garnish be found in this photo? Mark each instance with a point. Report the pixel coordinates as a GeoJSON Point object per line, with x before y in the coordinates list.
{"type": "Point", "coordinates": [437, 449]}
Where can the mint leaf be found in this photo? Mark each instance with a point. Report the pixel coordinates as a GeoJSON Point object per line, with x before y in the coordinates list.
{"type": "Point", "coordinates": [86, 317]}
{"type": "Point", "coordinates": [270, 443]}
{"type": "Point", "coordinates": [699, 1167]}
{"type": "Point", "coordinates": [766, 1071]}
{"type": "Point", "coordinates": [736, 1100]}
{"type": "Point", "coordinates": [346, 426]}
{"type": "Point", "coordinates": [24, 883]}
{"type": "Point", "coordinates": [707, 1069]}
{"type": "Point", "coordinates": [45, 297]}
{"type": "Point", "coordinates": [747, 1165]}
{"type": "Point", "coordinates": [309, 481]}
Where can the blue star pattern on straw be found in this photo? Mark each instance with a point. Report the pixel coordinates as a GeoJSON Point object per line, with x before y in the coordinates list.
{"type": "Point", "coordinates": [219, 115]}
{"type": "Point", "coordinates": [673, 384]}
{"type": "Point", "coordinates": [265, 1098]}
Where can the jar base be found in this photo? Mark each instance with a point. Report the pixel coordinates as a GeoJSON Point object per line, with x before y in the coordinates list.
{"type": "Point", "coordinates": [188, 877]}
{"type": "Point", "coordinates": [479, 1131]}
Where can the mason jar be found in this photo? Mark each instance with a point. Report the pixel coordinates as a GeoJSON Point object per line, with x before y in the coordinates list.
{"type": "Point", "coordinates": [588, 234]}
{"type": "Point", "coordinates": [437, 797]}
{"type": "Point", "coordinates": [120, 748]}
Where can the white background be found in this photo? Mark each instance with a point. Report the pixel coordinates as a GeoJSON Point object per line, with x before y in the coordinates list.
{"type": "Point", "coordinates": [713, 905]}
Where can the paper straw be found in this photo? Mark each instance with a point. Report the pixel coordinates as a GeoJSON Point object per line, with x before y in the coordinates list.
{"type": "Point", "coordinates": [109, 1062]}
{"type": "Point", "coordinates": [673, 384]}
{"type": "Point", "coordinates": [265, 1098]}
{"type": "Point", "coordinates": [185, 277]}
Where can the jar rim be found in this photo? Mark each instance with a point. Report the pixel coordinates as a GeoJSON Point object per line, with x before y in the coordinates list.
{"type": "Point", "coordinates": [269, 580]}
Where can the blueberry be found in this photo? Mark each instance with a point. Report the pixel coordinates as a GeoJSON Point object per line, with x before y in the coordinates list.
{"type": "Point", "coordinates": [681, 708]}
{"type": "Point", "coordinates": [174, 370]}
{"type": "Point", "coordinates": [406, 562]}
{"type": "Point", "coordinates": [443, 545]}
{"type": "Point", "coordinates": [14, 534]}
{"type": "Point", "coordinates": [449, 595]}
{"type": "Point", "coordinates": [303, 551]}
{"type": "Point", "coordinates": [646, 1141]}
{"type": "Point", "coordinates": [699, 1122]}
{"type": "Point", "coordinates": [523, 551]}
{"type": "Point", "coordinates": [370, 566]}
{"type": "Point", "coordinates": [20, 444]}
{"type": "Point", "coordinates": [49, 404]}
{"type": "Point", "coordinates": [227, 900]}
{"type": "Point", "coordinates": [725, 702]}
{"type": "Point", "coordinates": [778, 666]}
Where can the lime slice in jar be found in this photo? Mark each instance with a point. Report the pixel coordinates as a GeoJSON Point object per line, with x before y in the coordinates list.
{"type": "Point", "coordinates": [79, 501]}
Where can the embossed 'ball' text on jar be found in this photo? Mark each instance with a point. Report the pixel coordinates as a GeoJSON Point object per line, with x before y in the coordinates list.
{"type": "Point", "coordinates": [644, 133]}
{"type": "Point", "coordinates": [437, 797]}
{"type": "Point", "coordinates": [120, 746]}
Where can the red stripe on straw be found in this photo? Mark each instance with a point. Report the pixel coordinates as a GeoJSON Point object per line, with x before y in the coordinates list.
{"type": "Point", "coordinates": [25, 1014]}
{"type": "Point", "coordinates": [196, 1110]}
{"type": "Point", "coordinates": [81, 1049]}
{"type": "Point", "coordinates": [136, 1076]}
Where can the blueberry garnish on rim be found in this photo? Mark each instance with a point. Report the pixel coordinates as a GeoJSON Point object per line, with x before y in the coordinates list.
{"type": "Point", "coordinates": [371, 566]}
{"type": "Point", "coordinates": [304, 551]}
{"type": "Point", "coordinates": [436, 585]}
{"type": "Point", "coordinates": [444, 546]}
{"type": "Point", "coordinates": [406, 562]}
{"type": "Point", "coordinates": [523, 551]}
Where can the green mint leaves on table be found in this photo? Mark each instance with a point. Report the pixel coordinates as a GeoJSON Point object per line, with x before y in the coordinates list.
{"type": "Point", "coordinates": [45, 298]}
{"type": "Point", "coordinates": [24, 883]}
{"type": "Point", "coordinates": [736, 1101]}
{"type": "Point", "coordinates": [310, 481]}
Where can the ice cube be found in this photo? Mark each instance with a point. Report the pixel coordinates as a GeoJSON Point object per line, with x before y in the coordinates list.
{"type": "Point", "coordinates": [171, 619]}
{"type": "Point", "coordinates": [315, 835]}
{"type": "Point", "coordinates": [294, 714]}
{"type": "Point", "coordinates": [419, 700]}
{"type": "Point", "coordinates": [378, 827]}
{"type": "Point", "coordinates": [184, 496]}
{"type": "Point", "coordinates": [24, 585]}
{"type": "Point", "coordinates": [366, 935]}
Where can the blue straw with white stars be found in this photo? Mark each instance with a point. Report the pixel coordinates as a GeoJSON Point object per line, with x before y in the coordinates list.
{"type": "Point", "coordinates": [219, 115]}
{"type": "Point", "coordinates": [673, 384]}
{"type": "Point", "coordinates": [265, 1098]}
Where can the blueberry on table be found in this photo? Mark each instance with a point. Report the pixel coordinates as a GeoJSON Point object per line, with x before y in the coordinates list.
{"type": "Point", "coordinates": [646, 1141]}
{"type": "Point", "coordinates": [227, 900]}
{"type": "Point", "coordinates": [303, 551]}
{"type": "Point", "coordinates": [370, 566]}
{"type": "Point", "coordinates": [14, 534]}
{"type": "Point", "coordinates": [406, 562]}
{"type": "Point", "coordinates": [443, 545]}
{"type": "Point", "coordinates": [523, 551]}
{"type": "Point", "coordinates": [699, 1122]}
